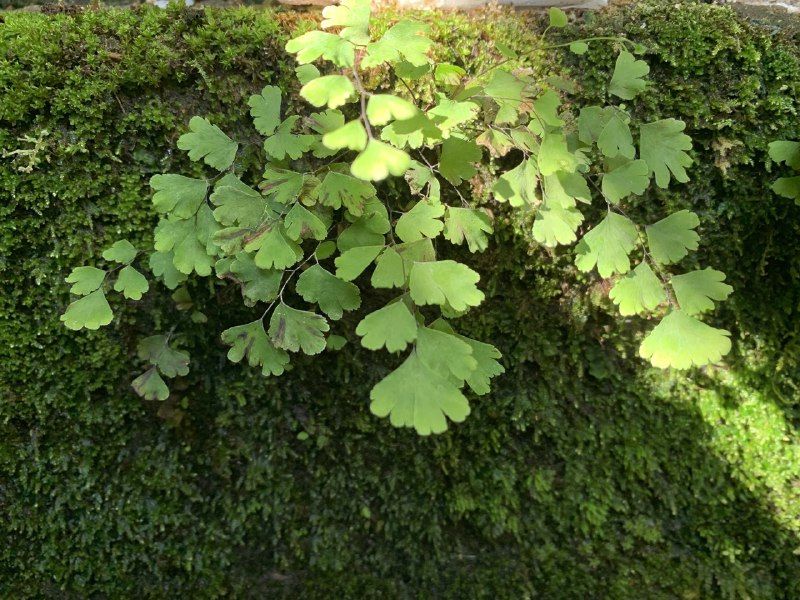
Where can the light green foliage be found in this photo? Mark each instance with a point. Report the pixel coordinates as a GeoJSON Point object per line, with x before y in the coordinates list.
{"type": "Point", "coordinates": [672, 237]}
{"type": "Point", "coordinates": [257, 284]}
{"type": "Point", "coordinates": [122, 252]}
{"type": "Point", "coordinates": [607, 246]}
{"type": "Point", "coordinates": [638, 292]}
{"type": "Point", "coordinates": [517, 186]}
{"type": "Point", "coordinates": [557, 17]}
{"type": "Point", "coordinates": [458, 159]}
{"type": "Point", "coordinates": [179, 195]}
{"type": "Point", "coordinates": [444, 282]}
{"type": "Point", "coordinates": [681, 341]}
{"type": "Point", "coordinates": [131, 283]}
{"type": "Point", "coordinates": [207, 142]}
{"type": "Point", "coordinates": [378, 161]}
{"type": "Point", "coordinates": [284, 143]}
{"type": "Point", "coordinates": [162, 265]}
{"type": "Point", "coordinates": [695, 291]}
{"type": "Point", "coordinates": [330, 90]}
{"type": "Point", "coordinates": [315, 44]}
{"type": "Point", "coordinates": [157, 351]}
{"type": "Point", "coordinates": [389, 270]}
{"type": "Point", "coordinates": [90, 312]}
{"type": "Point", "coordinates": [416, 396]}
{"type": "Point", "coordinates": [150, 386]}
{"type": "Point", "coordinates": [351, 263]}
{"type": "Point", "coordinates": [237, 203]}
{"type": "Point", "coordinates": [251, 340]}
{"type": "Point", "coordinates": [352, 136]}
{"type": "Point", "coordinates": [423, 220]}
{"type": "Point", "coordinates": [85, 280]}
{"type": "Point", "coordinates": [382, 108]}
{"type": "Point", "coordinates": [406, 40]}
{"type": "Point", "coordinates": [392, 327]}
{"type": "Point", "coordinates": [333, 295]}
{"type": "Point", "coordinates": [313, 229]}
{"type": "Point", "coordinates": [275, 250]}
{"type": "Point", "coordinates": [338, 190]}
{"type": "Point", "coordinates": [295, 330]}
{"type": "Point", "coordinates": [628, 79]}
{"type": "Point", "coordinates": [468, 225]}
{"type": "Point", "coordinates": [352, 16]}
{"type": "Point", "coordinates": [788, 153]}
{"type": "Point", "coordinates": [265, 108]}
{"type": "Point", "coordinates": [630, 178]}
{"type": "Point", "coordinates": [663, 146]}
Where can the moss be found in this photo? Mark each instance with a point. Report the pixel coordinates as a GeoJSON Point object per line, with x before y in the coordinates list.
{"type": "Point", "coordinates": [582, 475]}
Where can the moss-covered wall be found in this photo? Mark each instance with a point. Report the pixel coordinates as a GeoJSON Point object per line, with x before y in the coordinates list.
{"type": "Point", "coordinates": [583, 475]}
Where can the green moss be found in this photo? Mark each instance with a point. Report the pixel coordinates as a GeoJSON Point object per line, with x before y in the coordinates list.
{"type": "Point", "coordinates": [582, 475]}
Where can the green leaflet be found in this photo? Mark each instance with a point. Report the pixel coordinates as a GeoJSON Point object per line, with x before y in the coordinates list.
{"type": "Point", "coordinates": [378, 161]}
{"type": "Point", "coordinates": [681, 341]}
{"type": "Point", "coordinates": [445, 354]}
{"type": "Point", "coordinates": [639, 291]}
{"type": "Point", "coordinates": [265, 108]}
{"type": "Point", "coordinates": [122, 252]}
{"type": "Point", "coordinates": [695, 291]}
{"type": "Point", "coordinates": [389, 270]}
{"type": "Point", "coordinates": [507, 91]}
{"type": "Point", "coordinates": [415, 396]}
{"type": "Point", "coordinates": [444, 282]}
{"type": "Point", "coordinates": [423, 220]}
{"type": "Point", "coordinates": [207, 142]}
{"type": "Point", "coordinates": [406, 39]}
{"type": "Point", "coordinates": [150, 386]}
{"type": "Point", "coordinates": [275, 250]}
{"type": "Point", "coordinates": [338, 189]}
{"type": "Point", "coordinates": [157, 351]}
{"type": "Point", "coordinates": [392, 326]}
{"type": "Point", "coordinates": [301, 223]}
{"type": "Point", "coordinates": [297, 330]}
{"type": "Point", "coordinates": [788, 187]}
{"type": "Point", "coordinates": [556, 224]}
{"type": "Point", "coordinates": [627, 81]}
{"type": "Point", "coordinates": [162, 264]}
{"type": "Point", "coordinates": [85, 280]}
{"type": "Point", "coordinates": [330, 90]}
{"type": "Point", "coordinates": [284, 143]}
{"type": "Point", "coordinates": [671, 238]}
{"type": "Point", "coordinates": [257, 284]}
{"type": "Point", "coordinates": [251, 340]}
{"type": "Point", "coordinates": [518, 186]}
{"type": "Point", "coordinates": [554, 155]}
{"type": "Point", "coordinates": [663, 146]}
{"type": "Point", "coordinates": [352, 16]}
{"type": "Point", "coordinates": [333, 295]}
{"type": "Point", "coordinates": [352, 136]}
{"type": "Point", "coordinates": [131, 283]}
{"type": "Point", "coordinates": [458, 158]}
{"type": "Point", "coordinates": [178, 195]}
{"type": "Point", "coordinates": [352, 262]}
{"type": "Point", "coordinates": [785, 152]}
{"type": "Point", "coordinates": [186, 238]}
{"type": "Point", "coordinates": [630, 178]}
{"type": "Point", "coordinates": [238, 204]}
{"type": "Point", "coordinates": [468, 225]}
{"type": "Point", "coordinates": [382, 108]}
{"type": "Point", "coordinates": [315, 44]}
{"type": "Point", "coordinates": [90, 312]}
{"type": "Point", "coordinates": [607, 246]}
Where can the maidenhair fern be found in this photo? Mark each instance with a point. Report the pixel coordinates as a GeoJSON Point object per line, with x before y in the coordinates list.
{"type": "Point", "coordinates": [317, 222]}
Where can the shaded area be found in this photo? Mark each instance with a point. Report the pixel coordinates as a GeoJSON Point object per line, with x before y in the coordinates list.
{"type": "Point", "coordinates": [583, 475]}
